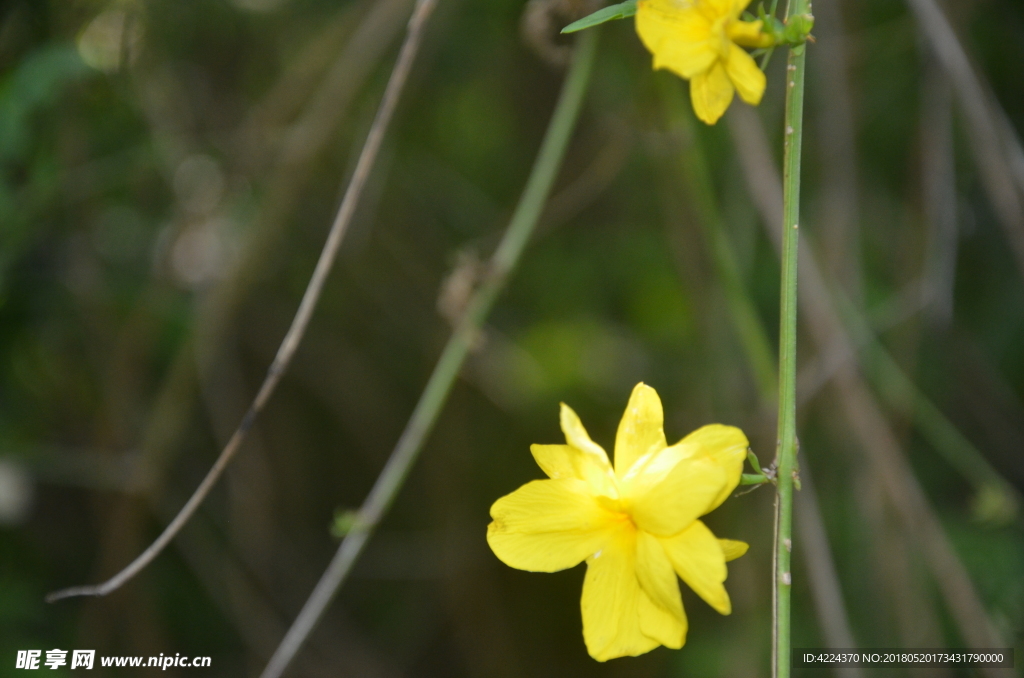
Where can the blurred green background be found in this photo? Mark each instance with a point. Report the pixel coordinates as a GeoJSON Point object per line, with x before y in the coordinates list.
{"type": "Point", "coordinates": [168, 172]}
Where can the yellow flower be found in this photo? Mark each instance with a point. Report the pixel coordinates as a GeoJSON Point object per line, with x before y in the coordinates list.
{"type": "Point", "coordinates": [699, 40]}
{"type": "Point", "coordinates": [636, 525]}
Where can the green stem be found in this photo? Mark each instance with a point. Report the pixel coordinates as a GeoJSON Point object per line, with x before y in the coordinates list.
{"type": "Point", "coordinates": [787, 441]}
{"type": "Point", "coordinates": [423, 418]}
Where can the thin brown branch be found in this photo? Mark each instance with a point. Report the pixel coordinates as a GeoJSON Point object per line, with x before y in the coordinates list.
{"type": "Point", "coordinates": [291, 341]}
{"type": "Point", "coordinates": [170, 412]}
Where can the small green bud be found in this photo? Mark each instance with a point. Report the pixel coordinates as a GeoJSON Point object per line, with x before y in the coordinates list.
{"type": "Point", "coordinates": [798, 28]}
{"type": "Point", "coordinates": [344, 521]}
{"type": "Point", "coordinates": [752, 459]}
{"type": "Point", "coordinates": [756, 478]}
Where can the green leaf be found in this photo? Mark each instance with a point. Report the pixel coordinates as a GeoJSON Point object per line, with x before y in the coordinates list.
{"type": "Point", "coordinates": [609, 13]}
{"type": "Point", "coordinates": [753, 460]}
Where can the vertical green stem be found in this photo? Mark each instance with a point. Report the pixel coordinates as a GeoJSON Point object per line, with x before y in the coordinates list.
{"type": "Point", "coordinates": [787, 441]}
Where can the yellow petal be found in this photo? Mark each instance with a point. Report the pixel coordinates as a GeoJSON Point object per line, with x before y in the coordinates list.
{"type": "Point", "coordinates": [660, 626]}
{"type": "Point", "coordinates": [698, 559]}
{"type": "Point", "coordinates": [595, 467]}
{"type": "Point", "coordinates": [748, 34]}
{"type": "Point", "coordinates": [665, 501]}
{"type": "Point", "coordinates": [746, 77]}
{"type": "Point", "coordinates": [677, 35]}
{"type": "Point", "coordinates": [711, 93]}
{"type": "Point", "coordinates": [566, 461]}
{"type": "Point", "coordinates": [641, 429]}
{"type": "Point", "coordinates": [733, 549]}
{"type": "Point", "coordinates": [557, 461]}
{"type": "Point", "coordinates": [547, 525]}
{"type": "Point", "coordinates": [725, 445]}
{"type": "Point", "coordinates": [662, 620]}
{"type": "Point", "coordinates": [721, 7]}
{"type": "Point", "coordinates": [738, 6]}
{"type": "Point", "coordinates": [611, 601]}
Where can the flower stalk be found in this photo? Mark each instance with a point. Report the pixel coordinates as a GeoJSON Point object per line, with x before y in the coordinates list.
{"type": "Point", "coordinates": [786, 462]}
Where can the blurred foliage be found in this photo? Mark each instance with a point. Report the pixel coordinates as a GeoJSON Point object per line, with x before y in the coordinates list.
{"type": "Point", "coordinates": [168, 171]}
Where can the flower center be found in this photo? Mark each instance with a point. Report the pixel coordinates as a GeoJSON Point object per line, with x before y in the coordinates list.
{"type": "Point", "coordinates": [617, 507]}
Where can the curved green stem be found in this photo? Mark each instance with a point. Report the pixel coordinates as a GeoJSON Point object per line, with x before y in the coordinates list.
{"type": "Point", "coordinates": [423, 418]}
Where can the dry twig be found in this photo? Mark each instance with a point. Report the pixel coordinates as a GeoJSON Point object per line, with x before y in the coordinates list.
{"type": "Point", "coordinates": [302, 317]}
